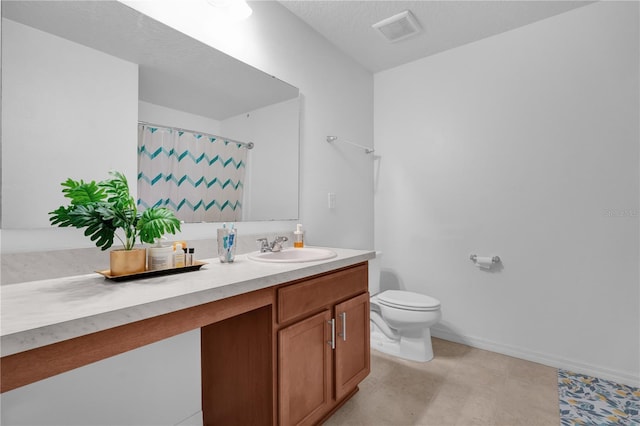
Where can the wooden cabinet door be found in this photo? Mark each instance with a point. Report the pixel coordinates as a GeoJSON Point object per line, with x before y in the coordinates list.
{"type": "Point", "coordinates": [305, 375]}
{"type": "Point", "coordinates": [352, 363]}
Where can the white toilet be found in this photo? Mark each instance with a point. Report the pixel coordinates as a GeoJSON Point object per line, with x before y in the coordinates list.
{"type": "Point", "coordinates": [401, 320]}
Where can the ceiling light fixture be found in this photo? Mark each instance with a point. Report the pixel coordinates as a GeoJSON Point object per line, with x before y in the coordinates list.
{"type": "Point", "coordinates": [231, 10]}
{"type": "Point", "coordinates": [398, 27]}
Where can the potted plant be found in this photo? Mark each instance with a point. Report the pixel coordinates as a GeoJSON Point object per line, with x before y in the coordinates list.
{"type": "Point", "coordinates": [106, 207]}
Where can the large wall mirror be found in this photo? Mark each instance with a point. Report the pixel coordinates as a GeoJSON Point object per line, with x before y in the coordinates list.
{"type": "Point", "coordinates": [78, 78]}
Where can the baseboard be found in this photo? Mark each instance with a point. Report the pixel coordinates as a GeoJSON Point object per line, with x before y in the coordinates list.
{"type": "Point", "coordinates": [540, 358]}
{"type": "Point", "coordinates": [194, 420]}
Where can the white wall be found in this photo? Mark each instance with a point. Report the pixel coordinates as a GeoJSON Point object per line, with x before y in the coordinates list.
{"type": "Point", "coordinates": [271, 182]}
{"type": "Point", "coordinates": [522, 145]}
{"type": "Point", "coordinates": [44, 121]}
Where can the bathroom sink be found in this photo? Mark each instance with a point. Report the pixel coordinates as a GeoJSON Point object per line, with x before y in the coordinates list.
{"type": "Point", "coordinates": [292, 255]}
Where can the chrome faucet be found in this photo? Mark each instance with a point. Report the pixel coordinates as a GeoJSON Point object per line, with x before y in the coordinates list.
{"type": "Point", "coordinates": [275, 245]}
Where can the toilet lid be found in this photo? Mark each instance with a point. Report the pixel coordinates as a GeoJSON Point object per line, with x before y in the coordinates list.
{"type": "Point", "coordinates": [408, 299]}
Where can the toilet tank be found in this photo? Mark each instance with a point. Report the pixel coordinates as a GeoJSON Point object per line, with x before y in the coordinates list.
{"type": "Point", "coordinates": [374, 274]}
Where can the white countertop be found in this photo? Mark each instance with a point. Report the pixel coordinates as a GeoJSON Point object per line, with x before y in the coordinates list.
{"type": "Point", "coordinates": [40, 313]}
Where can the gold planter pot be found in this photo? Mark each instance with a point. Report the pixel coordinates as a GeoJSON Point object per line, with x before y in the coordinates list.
{"type": "Point", "coordinates": [125, 262]}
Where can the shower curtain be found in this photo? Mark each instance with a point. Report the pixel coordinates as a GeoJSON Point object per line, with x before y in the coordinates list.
{"type": "Point", "coordinates": [198, 176]}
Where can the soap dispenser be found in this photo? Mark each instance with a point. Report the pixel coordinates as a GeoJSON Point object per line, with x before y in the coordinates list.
{"type": "Point", "coordinates": [298, 237]}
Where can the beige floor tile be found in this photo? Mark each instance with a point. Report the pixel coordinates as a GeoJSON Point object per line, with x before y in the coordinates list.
{"type": "Point", "coordinates": [521, 396]}
{"type": "Point", "coordinates": [529, 418]}
{"type": "Point", "coordinates": [461, 386]}
{"type": "Point", "coordinates": [485, 359]}
{"type": "Point", "coordinates": [531, 372]}
{"type": "Point", "coordinates": [478, 409]}
{"type": "Point", "coordinates": [478, 379]}
{"type": "Point", "coordinates": [446, 349]}
{"type": "Point", "coordinates": [445, 407]}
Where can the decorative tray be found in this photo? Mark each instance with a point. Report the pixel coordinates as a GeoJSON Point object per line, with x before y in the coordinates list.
{"type": "Point", "coordinates": [155, 273]}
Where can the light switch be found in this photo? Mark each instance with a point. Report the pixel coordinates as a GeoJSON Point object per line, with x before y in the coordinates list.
{"type": "Point", "coordinates": [332, 200]}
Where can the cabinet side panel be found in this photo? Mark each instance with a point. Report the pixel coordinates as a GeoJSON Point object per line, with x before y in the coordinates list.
{"type": "Point", "coordinates": [237, 379]}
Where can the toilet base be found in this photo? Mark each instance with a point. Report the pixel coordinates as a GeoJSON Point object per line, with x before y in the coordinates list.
{"type": "Point", "coordinates": [414, 345]}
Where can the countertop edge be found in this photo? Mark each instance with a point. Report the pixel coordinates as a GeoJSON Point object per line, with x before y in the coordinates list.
{"type": "Point", "coordinates": [21, 341]}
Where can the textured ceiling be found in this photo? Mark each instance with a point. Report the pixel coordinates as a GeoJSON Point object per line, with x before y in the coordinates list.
{"type": "Point", "coordinates": [446, 24]}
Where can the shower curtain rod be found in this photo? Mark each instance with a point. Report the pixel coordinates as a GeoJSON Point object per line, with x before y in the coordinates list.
{"type": "Point", "coordinates": [248, 145]}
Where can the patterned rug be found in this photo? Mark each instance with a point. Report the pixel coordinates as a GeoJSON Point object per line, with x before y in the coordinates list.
{"type": "Point", "coordinates": [587, 400]}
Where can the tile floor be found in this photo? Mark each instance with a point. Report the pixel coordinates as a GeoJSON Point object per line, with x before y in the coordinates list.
{"type": "Point", "coordinates": [460, 386]}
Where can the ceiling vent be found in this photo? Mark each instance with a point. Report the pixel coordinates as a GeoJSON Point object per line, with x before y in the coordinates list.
{"type": "Point", "coordinates": [398, 27]}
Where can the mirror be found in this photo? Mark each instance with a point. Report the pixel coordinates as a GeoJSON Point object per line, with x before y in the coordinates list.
{"type": "Point", "coordinates": [78, 76]}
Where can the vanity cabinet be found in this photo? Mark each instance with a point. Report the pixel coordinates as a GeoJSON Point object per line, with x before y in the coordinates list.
{"type": "Point", "coordinates": [282, 354]}
{"type": "Point", "coordinates": [323, 344]}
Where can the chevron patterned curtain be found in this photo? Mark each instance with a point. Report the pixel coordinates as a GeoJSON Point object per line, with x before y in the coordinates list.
{"type": "Point", "coordinates": [198, 176]}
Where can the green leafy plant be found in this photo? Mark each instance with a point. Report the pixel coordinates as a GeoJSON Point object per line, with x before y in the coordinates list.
{"type": "Point", "coordinates": [105, 207]}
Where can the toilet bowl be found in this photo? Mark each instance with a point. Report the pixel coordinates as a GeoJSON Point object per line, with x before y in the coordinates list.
{"type": "Point", "coordinates": [401, 320]}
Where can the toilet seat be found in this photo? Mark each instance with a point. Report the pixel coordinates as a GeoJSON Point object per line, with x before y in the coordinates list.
{"type": "Point", "coordinates": [408, 300]}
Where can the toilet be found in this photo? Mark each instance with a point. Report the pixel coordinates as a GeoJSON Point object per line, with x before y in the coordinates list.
{"type": "Point", "coordinates": [401, 320]}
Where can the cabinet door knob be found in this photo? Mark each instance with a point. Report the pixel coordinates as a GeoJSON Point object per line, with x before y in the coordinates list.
{"type": "Point", "coordinates": [332, 342]}
{"type": "Point", "coordinates": [343, 318]}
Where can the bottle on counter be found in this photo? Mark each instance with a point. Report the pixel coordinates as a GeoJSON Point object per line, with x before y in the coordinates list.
{"type": "Point", "coordinates": [178, 257]}
{"type": "Point", "coordinates": [298, 237]}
